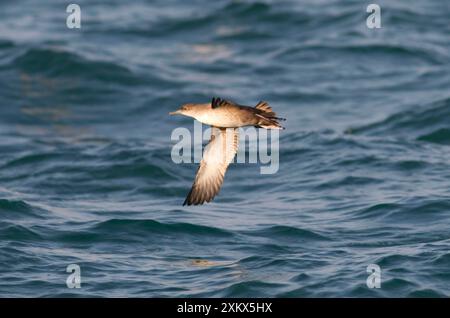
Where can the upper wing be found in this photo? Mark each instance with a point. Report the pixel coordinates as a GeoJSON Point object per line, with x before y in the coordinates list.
{"type": "Point", "coordinates": [217, 155]}
{"type": "Point", "coordinates": [218, 102]}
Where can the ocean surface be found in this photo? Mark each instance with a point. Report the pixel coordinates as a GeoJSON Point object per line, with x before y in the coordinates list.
{"type": "Point", "coordinates": [86, 175]}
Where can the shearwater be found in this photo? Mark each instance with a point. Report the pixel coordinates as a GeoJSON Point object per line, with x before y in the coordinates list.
{"type": "Point", "coordinates": [224, 117]}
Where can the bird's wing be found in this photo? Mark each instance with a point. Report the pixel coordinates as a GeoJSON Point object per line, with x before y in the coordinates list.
{"type": "Point", "coordinates": [217, 155]}
{"type": "Point", "coordinates": [219, 102]}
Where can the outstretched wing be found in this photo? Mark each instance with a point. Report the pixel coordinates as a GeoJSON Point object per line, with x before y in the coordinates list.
{"type": "Point", "coordinates": [219, 102]}
{"type": "Point", "coordinates": [217, 155]}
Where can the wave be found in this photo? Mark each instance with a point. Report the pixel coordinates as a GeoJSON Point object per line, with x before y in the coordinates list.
{"type": "Point", "coordinates": [426, 293]}
{"type": "Point", "coordinates": [30, 159]}
{"type": "Point", "coordinates": [250, 289]}
{"type": "Point", "coordinates": [14, 205]}
{"type": "Point", "coordinates": [428, 123]}
{"type": "Point", "coordinates": [117, 231]}
{"type": "Point", "coordinates": [245, 9]}
{"type": "Point", "coordinates": [439, 136]}
{"type": "Point", "coordinates": [15, 232]}
{"type": "Point", "coordinates": [442, 260]}
{"type": "Point", "coordinates": [19, 208]}
{"type": "Point", "coordinates": [370, 51]}
{"type": "Point", "coordinates": [417, 210]}
{"type": "Point", "coordinates": [6, 44]}
{"type": "Point", "coordinates": [58, 63]}
{"type": "Point", "coordinates": [348, 181]}
{"type": "Point", "coordinates": [152, 227]}
{"type": "Point", "coordinates": [218, 18]}
{"type": "Point", "coordinates": [288, 233]}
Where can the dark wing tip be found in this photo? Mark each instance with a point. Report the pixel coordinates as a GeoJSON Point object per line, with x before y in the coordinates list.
{"type": "Point", "coordinates": [217, 102]}
{"type": "Point", "coordinates": [214, 102]}
{"type": "Point", "coordinates": [188, 199]}
{"type": "Point", "coordinates": [195, 197]}
{"type": "Point", "coordinates": [192, 199]}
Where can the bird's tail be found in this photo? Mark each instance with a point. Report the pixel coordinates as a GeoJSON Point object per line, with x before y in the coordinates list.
{"type": "Point", "coordinates": [267, 117]}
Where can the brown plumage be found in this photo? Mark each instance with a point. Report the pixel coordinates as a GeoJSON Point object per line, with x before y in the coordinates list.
{"type": "Point", "coordinates": [224, 117]}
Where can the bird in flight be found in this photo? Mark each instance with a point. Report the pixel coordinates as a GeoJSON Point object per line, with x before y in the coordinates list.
{"type": "Point", "coordinates": [225, 118]}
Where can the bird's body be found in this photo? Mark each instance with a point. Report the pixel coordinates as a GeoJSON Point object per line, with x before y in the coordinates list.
{"type": "Point", "coordinates": [225, 117]}
{"type": "Point", "coordinates": [229, 116]}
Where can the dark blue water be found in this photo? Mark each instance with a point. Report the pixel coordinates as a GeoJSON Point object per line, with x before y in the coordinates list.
{"type": "Point", "coordinates": [86, 175]}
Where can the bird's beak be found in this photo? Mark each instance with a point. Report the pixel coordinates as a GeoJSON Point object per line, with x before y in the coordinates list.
{"type": "Point", "coordinates": [175, 112]}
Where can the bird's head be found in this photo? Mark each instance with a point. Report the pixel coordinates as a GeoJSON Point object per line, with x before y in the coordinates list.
{"type": "Point", "coordinates": [186, 110]}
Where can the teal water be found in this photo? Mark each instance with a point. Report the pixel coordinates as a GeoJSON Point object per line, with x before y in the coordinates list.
{"type": "Point", "coordinates": [85, 170]}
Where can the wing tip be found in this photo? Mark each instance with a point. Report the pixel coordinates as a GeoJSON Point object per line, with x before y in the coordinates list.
{"type": "Point", "coordinates": [188, 200]}
{"type": "Point", "coordinates": [215, 102]}
{"type": "Point", "coordinates": [219, 101]}
{"type": "Point", "coordinates": [191, 200]}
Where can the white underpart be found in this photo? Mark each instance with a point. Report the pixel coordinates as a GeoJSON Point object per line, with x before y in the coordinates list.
{"type": "Point", "coordinates": [216, 119]}
{"type": "Point", "coordinates": [209, 118]}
